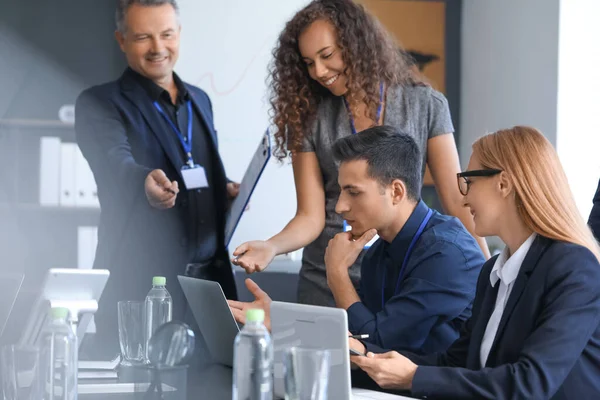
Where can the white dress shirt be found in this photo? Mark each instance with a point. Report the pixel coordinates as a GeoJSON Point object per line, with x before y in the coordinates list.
{"type": "Point", "coordinates": [505, 270]}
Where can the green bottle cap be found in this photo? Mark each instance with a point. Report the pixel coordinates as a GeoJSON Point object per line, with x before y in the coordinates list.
{"type": "Point", "coordinates": [159, 281]}
{"type": "Point", "coordinates": [255, 315]}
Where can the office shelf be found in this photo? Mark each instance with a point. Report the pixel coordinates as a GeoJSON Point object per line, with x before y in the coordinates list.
{"type": "Point", "coordinates": [35, 123]}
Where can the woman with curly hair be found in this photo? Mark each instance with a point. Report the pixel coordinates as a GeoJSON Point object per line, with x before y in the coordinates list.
{"type": "Point", "coordinates": [336, 72]}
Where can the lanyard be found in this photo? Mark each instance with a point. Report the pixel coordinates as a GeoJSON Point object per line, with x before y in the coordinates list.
{"type": "Point", "coordinates": [186, 142]}
{"type": "Point", "coordinates": [379, 107]}
{"type": "Point", "coordinates": [406, 257]}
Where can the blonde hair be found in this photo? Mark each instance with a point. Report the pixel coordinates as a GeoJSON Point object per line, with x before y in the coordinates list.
{"type": "Point", "coordinates": [542, 193]}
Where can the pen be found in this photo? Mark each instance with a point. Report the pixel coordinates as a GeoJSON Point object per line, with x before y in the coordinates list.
{"type": "Point", "coordinates": [363, 336]}
{"type": "Point", "coordinates": [168, 190]}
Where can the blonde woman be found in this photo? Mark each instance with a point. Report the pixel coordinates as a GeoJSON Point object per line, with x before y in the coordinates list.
{"type": "Point", "coordinates": [535, 332]}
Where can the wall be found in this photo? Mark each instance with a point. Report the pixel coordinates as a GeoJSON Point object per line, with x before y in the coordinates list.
{"type": "Point", "coordinates": [51, 51]}
{"type": "Point", "coordinates": [225, 49]}
{"type": "Point", "coordinates": [535, 62]}
{"type": "Point", "coordinates": [578, 139]}
{"type": "Point", "coordinates": [509, 67]}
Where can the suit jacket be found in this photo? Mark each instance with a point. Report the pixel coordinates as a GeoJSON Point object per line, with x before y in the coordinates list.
{"type": "Point", "coordinates": [123, 138]}
{"type": "Point", "coordinates": [548, 341]}
{"type": "Point", "coordinates": [594, 219]}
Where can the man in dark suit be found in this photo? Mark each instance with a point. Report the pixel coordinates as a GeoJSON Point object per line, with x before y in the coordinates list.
{"type": "Point", "coordinates": [151, 143]}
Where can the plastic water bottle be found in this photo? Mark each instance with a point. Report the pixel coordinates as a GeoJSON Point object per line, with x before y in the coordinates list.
{"type": "Point", "coordinates": [159, 308]}
{"type": "Point", "coordinates": [59, 358]}
{"type": "Point", "coordinates": [253, 360]}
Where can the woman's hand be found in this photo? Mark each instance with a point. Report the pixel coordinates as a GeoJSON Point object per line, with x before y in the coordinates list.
{"type": "Point", "coordinates": [254, 256]}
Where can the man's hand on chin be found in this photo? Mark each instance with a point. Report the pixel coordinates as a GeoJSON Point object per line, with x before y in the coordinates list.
{"type": "Point", "coordinates": [342, 251]}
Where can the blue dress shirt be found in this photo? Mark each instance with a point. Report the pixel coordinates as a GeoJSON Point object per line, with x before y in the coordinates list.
{"type": "Point", "coordinates": [434, 294]}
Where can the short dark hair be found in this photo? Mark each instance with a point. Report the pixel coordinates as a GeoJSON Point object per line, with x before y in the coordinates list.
{"type": "Point", "coordinates": [389, 153]}
{"type": "Point", "coordinates": [123, 6]}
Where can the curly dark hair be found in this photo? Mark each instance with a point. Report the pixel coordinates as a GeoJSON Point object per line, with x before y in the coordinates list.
{"type": "Point", "coordinates": [370, 54]}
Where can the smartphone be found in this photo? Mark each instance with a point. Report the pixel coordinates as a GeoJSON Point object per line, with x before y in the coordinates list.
{"type": "Point", "coordinates": [356, 353]}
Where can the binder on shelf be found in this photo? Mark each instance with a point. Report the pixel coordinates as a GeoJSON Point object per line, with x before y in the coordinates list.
{"type": "Point", "coordinates": [67, 174]}
{"type": "Point", "coordinates": [85, 186]}
{"type": "Point", "coordinates": [50, 157]}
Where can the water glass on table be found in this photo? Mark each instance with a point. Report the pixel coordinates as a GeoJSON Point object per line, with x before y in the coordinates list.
{"type": "Point", "coordinates": [20, 368]}
{"type": "Point", "coordinates": [131, 317]}
{"type": "Point", "coordinates": [306, 373]}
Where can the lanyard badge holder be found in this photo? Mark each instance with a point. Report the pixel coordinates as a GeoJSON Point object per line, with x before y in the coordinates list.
{"type": "Point", "coordinates": [194, 175]}
{"type": "Point", "coordinates": [353, 128]}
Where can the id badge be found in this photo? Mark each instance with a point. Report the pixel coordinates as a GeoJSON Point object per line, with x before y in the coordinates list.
{"type": "Point", "coordinates": [349, 228]}
{"type": "Point", "coordinates": [194, 178]}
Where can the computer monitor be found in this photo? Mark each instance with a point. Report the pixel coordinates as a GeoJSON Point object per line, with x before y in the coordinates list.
{"type": "Point", "coordinates": [79, 290]}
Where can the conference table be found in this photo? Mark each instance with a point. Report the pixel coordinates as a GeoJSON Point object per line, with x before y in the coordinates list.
{"type": "Point", "coordinates": [209, 380]}
{"type": "Point", "coordinates": [205, 380]}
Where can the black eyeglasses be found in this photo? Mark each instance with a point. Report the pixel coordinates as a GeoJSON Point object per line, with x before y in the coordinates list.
{"type": "Point", "coordinates": [463, 178]}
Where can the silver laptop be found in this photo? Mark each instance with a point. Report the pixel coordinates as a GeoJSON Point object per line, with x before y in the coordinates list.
{"type": "Point", "coordinates": [313, 327]}
{"type": "Point", "coordinates": [214, 318]}
{"type": "Point", "coordinates": [319, 328]}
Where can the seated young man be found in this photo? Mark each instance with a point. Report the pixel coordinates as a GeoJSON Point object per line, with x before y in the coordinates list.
{"type": "Point", "coordinates": [418, 279]}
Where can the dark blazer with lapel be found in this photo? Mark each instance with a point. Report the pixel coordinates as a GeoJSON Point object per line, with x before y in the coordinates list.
{"type": "Point", "coordinates": [548, 341]}
{"type": "Point", "coordinates": [594, 219]}
{"type": "Point", "coordinates": [123, 138]}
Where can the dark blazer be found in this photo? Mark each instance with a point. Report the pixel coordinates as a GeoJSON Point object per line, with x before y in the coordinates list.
{"type": "Point", "coordinates": [594, 219]}
{"type": "Point", "coordinates": [123, 138]}
{"type": "Point", "coordinates": [548, 341]}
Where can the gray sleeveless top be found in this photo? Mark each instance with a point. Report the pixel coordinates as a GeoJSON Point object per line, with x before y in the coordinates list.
{"type": "Point", "coordinates": [419, 111]}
